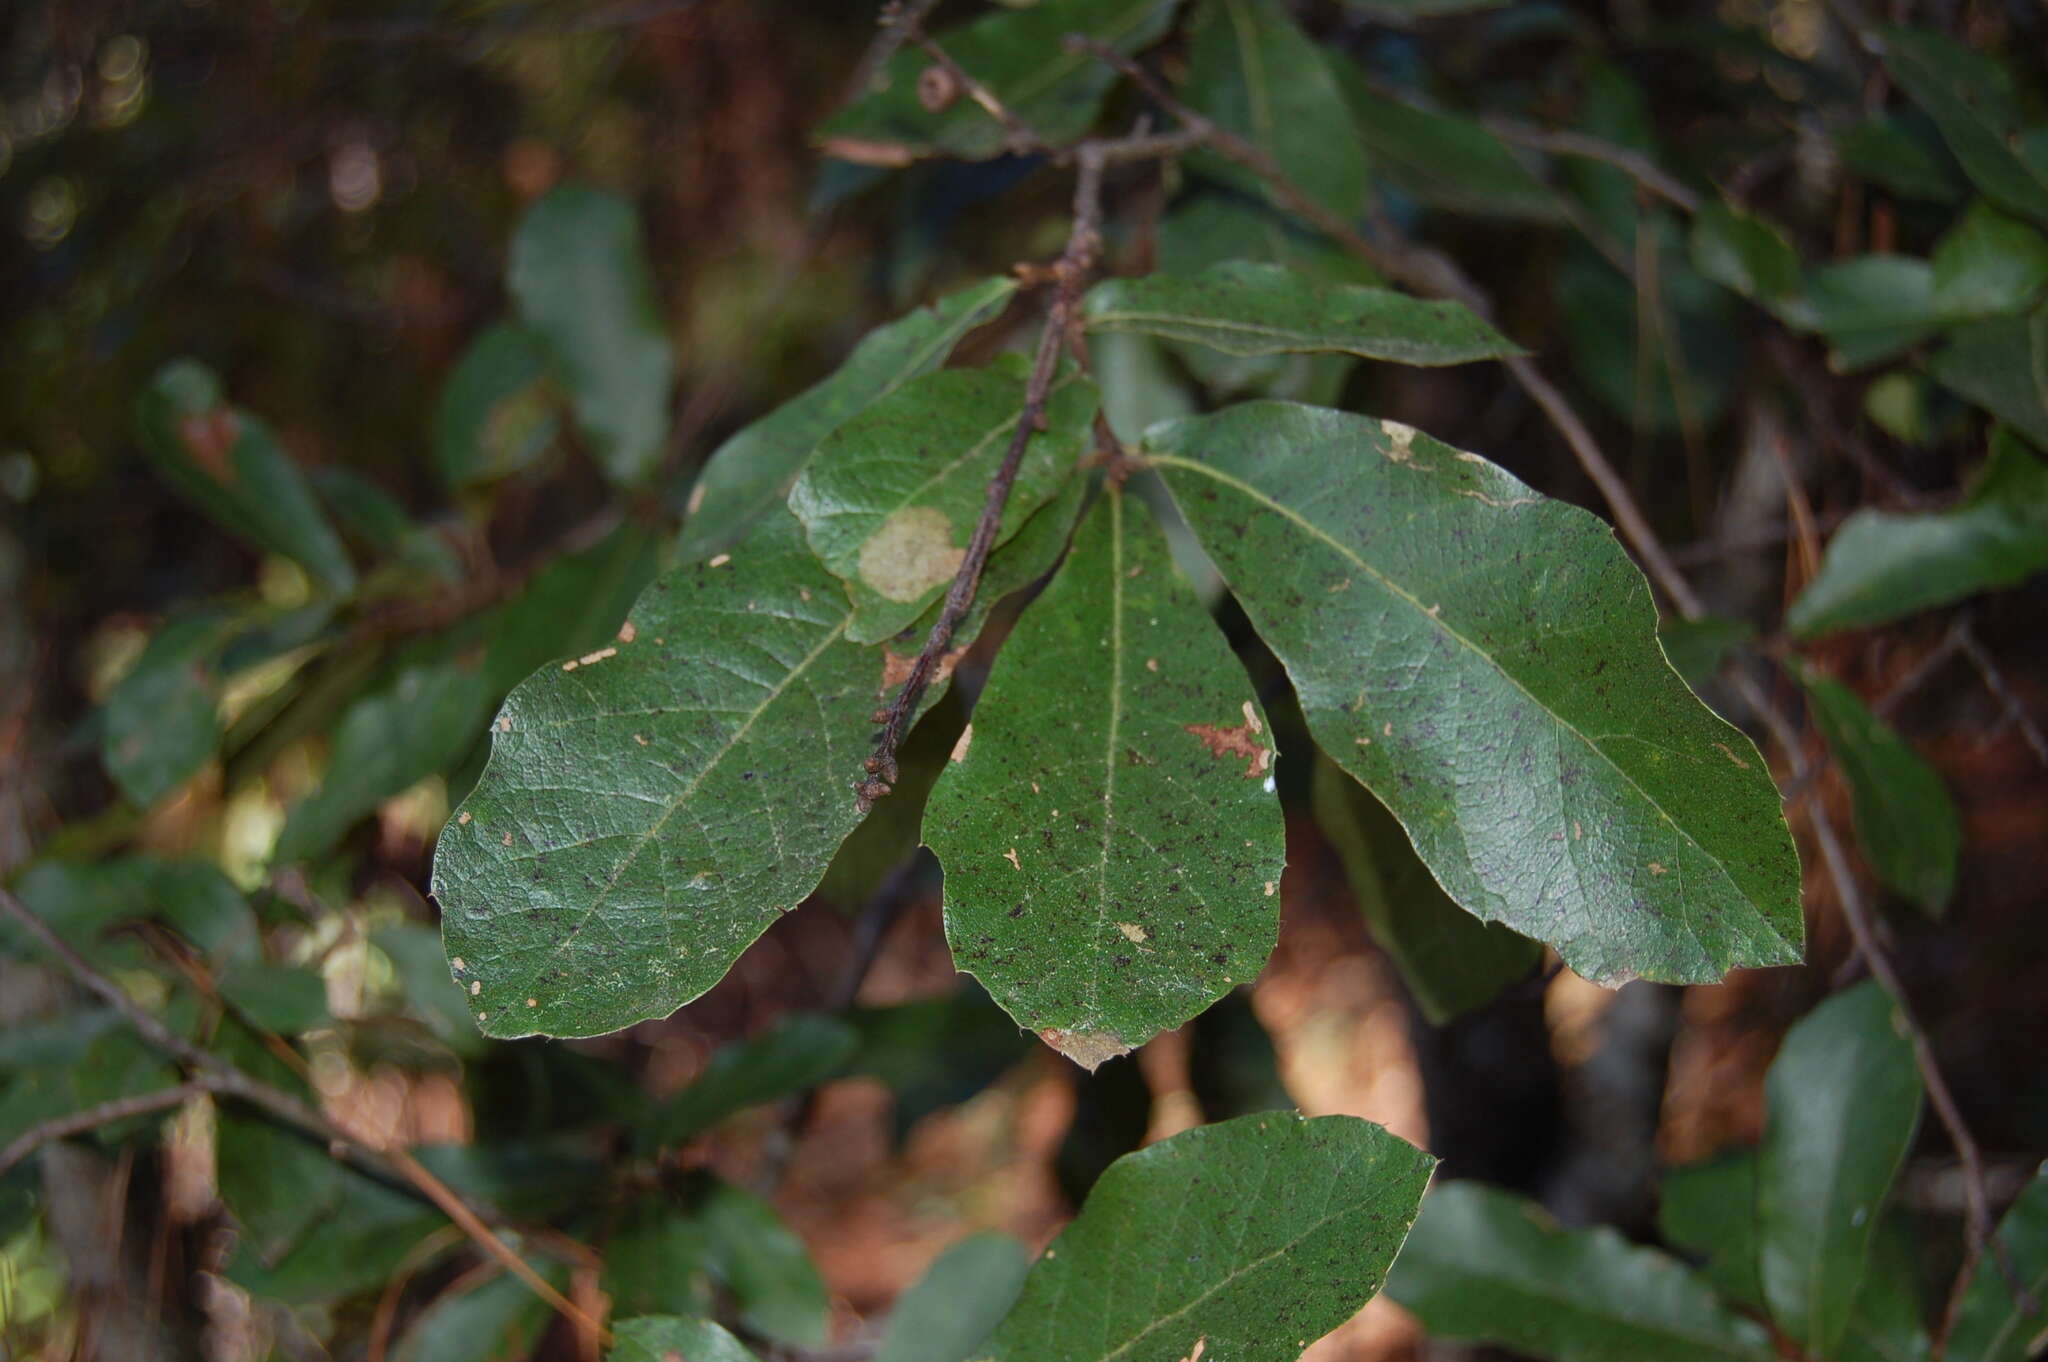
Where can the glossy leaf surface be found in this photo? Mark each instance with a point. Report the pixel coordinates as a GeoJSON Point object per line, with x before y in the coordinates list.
{"type": "Point", "coordinates": [650, 808]}
{"type": "Point", "coordinates": [1884, 565]}
{"type": "Point", "coordinates": [1248, 308]}
{"type": "Point", "coordinates": [1484, 1264]}
{"type": "Point", "coordinates": [1450, 961]}
{"type": "Point", "coordinates": [1843, 1100]}
{"type": "Point", "coordinates": [1019, 54]}
{"type": "Point", "coordinates": [749, 473]}
{"type": "Point", "coordinates": [1905, 820]}
{"type": "Point", "coordinates": [1111, 841]}
{"type": "Point", "coordinates": [1252, 70]}
{"type": "Point", "coordinates": [1993, 1326]}
{"type": "Point", "coordinates": [1485, 661]}
{"type": "Point", "coordinates": [892, 497]}
{"type": "Point", "coordinates": [579, 275]}
{"type": "Point", "coordinates": [1247, 1240]}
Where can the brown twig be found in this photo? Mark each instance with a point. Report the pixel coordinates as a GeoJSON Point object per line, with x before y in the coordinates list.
{"type": "Point", "coordinates": [1634, 164]}
{"type": "Point", "coordinates": [223, 1079]}
{"type": "Point", "coordinates": [1995, 682]}
{"type": "Point", "coordinates": [1067, 274]}
{"type": "Point", "coordinates": [897, 19]}
{"type": "Point", "coordinates": [957, 80]}
{"type": "Point", "coordinates": [92, 1118]}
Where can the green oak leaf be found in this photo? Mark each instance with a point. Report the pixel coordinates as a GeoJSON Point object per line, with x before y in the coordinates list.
{"type": "Point", "coordinates": [579, 275]}
{"type": "Point", "coordinates": [960, 1298]}
{"type": "Point", "coordinates": [1244, 307]}
{"type": "Point", "coordinates": [232, 466]}
{"type": "Point", "coordinates": [1252, 70]}
{"type": "Point", "coordinates": [1450, 961]}
{"type": "Point", "coordinates": [650, 808]}
{"type": "Point", "coordinates": [891, 498]}
{"type": "Point", "coordinates": [1020, 55]}
{"type": "Point", "coordinates": [1485, 1264]}
{"type": "Point", "coordinates": [1883, 565]}
{"type": "Point", "coordinates": [1905, 820]}
{"type": "Point", "coordinates": [1485, 661]}
{"type": "Point", "coordinates": [750, 473]}
{"type": "Point", "coordinates": [1108, 829]}
{"type": "Point", "coordinates": [1842, 1103]}
{"type": "Point", "coordinates": [1245, 1240]}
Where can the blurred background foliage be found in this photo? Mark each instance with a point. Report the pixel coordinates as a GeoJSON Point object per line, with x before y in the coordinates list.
{"type": "Point", "coordinates": [383, 262]}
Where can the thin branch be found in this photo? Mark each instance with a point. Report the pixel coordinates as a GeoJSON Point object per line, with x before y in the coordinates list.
{"type": "Point", "coordinates": [223, 1079]}
{"type": "Point", "coordinates": [1634, 164]}
{"type": "Point", "coordinates": [92, 1118]}
{"type": "Point", "coordinates": [1067, 273]}
{"type": "Point", "coordinates": [897, 19]}
{"type": "Point", "coordinates": [1995, 682]}
{"type": "Point", "coordinates": [957, 80]}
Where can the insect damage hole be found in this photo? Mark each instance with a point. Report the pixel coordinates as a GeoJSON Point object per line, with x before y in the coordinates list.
{"type": "Point", "coordinates": [1237, 741]}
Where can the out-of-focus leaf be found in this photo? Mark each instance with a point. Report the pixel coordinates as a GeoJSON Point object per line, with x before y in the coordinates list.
{"type": "Point", "coordinates": [801, 1052]}
{"type": "Point", "coordinates": [287, 999]}
{"type": "Point", "coordinates": [1232, 1066]}
{"type": "Point", "coordinates": [1112, 1115]}
{"type": "Point", "coordinates": [1486, 1265]}
{"type": "Point", "coordinates": [497, 412]}
{"type": "Point", "coordinates": [573, 606]}
{"type": "Point", "coordinates": [1207, 1241]}
{"type": "Point", "coordinates": [1020, 55]}
{"type": "Point", "coordinates": [892, 497]}
{"type": "Point", "coordinates": [1710, 1209]}
{"type": "Point", "coordinates": [1905, 820]}
{"type": "Point", "coordinates": [1497, 683]}
{"type": "Point", "coordinates": [1884, 151]}
{"type": "Point", "coordinates": [1678, 371]}
{"type": "Point", "coordinates": [2002, 365]}
{"type": "Point", "coordinates": [230, 464]}
{"type": "Point", "coordinates": [660, 1338]}
{"type": "Point", "coordinates": [1972, 99]}
{"type": "Point", "coordinates": [1249, 308]}
{"type": "Point", "coordinates": [1883, 565]}
{"type": "Point", "coordinates": [1213, 228]}
{"type": "Point", "coordinates": [1988, 265]}
{"type": "Point", "coordinates": [1993, 1325]}
{"type": "Point", "coordinates": [375, 521]}
{"type": "Point", "coordinates": [54, 1068]}
{"type": "Point", "coordinates": [1253, 71]}
{"type": "Point", "coordinates": [1746, 252]}
{"type": "Point", "coordinates": [1697, 648]}
{"type": "Point", "coordinates": [527, 1180]}
{"type": "Point", "coordinates": [579, 275]}
{"type": "Point", "coordinates": [421, 721]}
{"type": "Point", "coordinates": [659, 1262]}
{"type": "Point", "coordinates": [81, 901]}
{"type": "Point", "coordinates": [1450, 961]}
{"type": "Point", "coordinates": [936, 1052]}
{"type": "Point", "coordinates": [1111, 843]}
{"type": "Point", "coordinates": [947, 1312]}
{"type": "Point", "coordinates": [313, 1229]}
{"type": "Point", "coordinates": [1396, 10]}
{"type": "Point", "coordinates": [1888, 1323]}
{"type": "Point", "coordinates": [1868, 309]}
{"type": "Point", "coordinates": [1843, 1100]}
{"type": "Point", "coordinates": [1139, 385]}
{"type": "Point", "coordinates": [650, 809]}
{"type": "Point", "coordinates": [162, 722]}
{"type": "Point", "coordinates": [502, 1318]}
{"type": "Point", "coordinates": [752, 471]}
{"type": "Point", "coordinates": [422, 970]}
{"type": "Point", "coordinates": [1445, 160]}
{"type": "Point", "coordinates": [766, 1267]}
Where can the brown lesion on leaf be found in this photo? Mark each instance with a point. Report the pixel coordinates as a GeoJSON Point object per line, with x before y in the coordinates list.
{"type": "Point", "coordinates": [911, 553]}
{"type": "Point", "coordinates": [896, 669]}
{"type": "Point", "coordinates": [209, 437]}
{"type": "Point", "coordinates": [1239, 740]}
{"type": "Point", "coordinates": [1729, 753]}
{"type": "Point", "coordinates": [1089, 1049]}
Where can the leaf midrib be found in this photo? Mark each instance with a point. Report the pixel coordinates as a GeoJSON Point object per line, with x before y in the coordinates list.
{"type": "Point", "coordinates": [1116, 716]}
{"type": "Point", "coordinates": [1443, 627]}
{"type": "Point", "coordinates": [654, 829]}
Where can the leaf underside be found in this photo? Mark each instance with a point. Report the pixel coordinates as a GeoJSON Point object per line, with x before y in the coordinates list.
{"type": "Point", "coordinates": [1485, 660]}
{"type": "Point", "coordinates": [1110, 837]}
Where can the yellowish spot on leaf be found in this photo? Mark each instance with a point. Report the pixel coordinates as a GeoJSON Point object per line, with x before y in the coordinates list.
{"type": "Point", "coordinates": [718, 560]}
{"type": "Point", "coordinates": [1133, 933]}
{"type": "Point", "coordinates": [475, 987]}
{"type": "Point", "coordinates": [1729, 753]}
{"type": "Point", "coordinates": [1400, 441]}
{"type": "Point", "coordinates": [600, 655]}
{"type": "Point", "coordinates": [506, 840]}
{"type": "Point", "coordinates": [1086, 1048]}
{"type": "Point", "coordinates": [912, 553]}
{"type": "Point", "coordinates": [640, 739]}
{"type": "Point", "coordinates": [965, 741]}
{"type": "Point", "coordinates": [1656, 869]}
{"type": "Point", "coordinates": [1151, 664]}
{"type": "Point", "coordinates": [1011, 857]}
{"type": "Point", "coordinates": [628, 632]}
{"type": "Point", "coordinates": [463, 818]}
